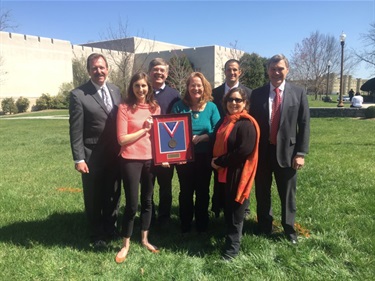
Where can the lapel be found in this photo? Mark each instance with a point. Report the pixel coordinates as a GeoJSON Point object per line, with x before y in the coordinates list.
{"type": "Point", "coordinates": [222, 91]}
{"type": "Point", "coordinates": [266, 99]}
{"type": "Point", "coordinates": [116, 99]}
{"type": "Point", "coordinates": [285, 102]}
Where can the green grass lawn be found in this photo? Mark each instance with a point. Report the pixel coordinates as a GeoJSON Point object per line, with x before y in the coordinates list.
{"type": "Point", "coordinates": [43, 232]}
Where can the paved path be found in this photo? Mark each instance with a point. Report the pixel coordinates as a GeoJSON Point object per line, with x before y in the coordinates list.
{"type": "Point", "coordinates": [34, 117]}
{"type": "Point", "coordinates": [66, 117]}
{"type": "Point", "coordinates": [365, 105]}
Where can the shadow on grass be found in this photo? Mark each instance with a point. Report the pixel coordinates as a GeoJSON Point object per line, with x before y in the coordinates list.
{"type": "Point", "coordinates": [70, 230]}
{"type": "Point", "coordinates": [195, 244]}
{"type": "Point", "coordinates": [59, 229]}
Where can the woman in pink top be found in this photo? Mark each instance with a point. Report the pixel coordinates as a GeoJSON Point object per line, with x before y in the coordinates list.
{"type": "Point", "coordinates": [134, 122]}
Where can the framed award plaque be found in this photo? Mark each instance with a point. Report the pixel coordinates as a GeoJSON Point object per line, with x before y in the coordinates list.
{"type": "Point", "coordinates": [172, 138]}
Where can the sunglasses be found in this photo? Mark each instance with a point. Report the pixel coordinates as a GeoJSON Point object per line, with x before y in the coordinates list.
{"type": "Point", "coordinates": [237, 100]}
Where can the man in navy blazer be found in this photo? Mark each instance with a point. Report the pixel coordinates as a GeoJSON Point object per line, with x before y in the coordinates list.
{"type": "Point", "coordinates": [95, 148]}
{"type": "Point", "coordinates": [286, 156]}
{"type": "Point", "coordinates": [166, 97]}
{"type": "Point", "coordinates": [232, 72]}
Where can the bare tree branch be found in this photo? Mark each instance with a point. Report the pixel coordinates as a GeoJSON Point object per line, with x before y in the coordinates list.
{"type": "Point", "coordinates": [179, 70]}
{"type": "Point", "coordinates": [310, 59]}
{"type": "Point", "coordinates": [368, 54]}
{"type": "Point", "coordinates": [6, 20]}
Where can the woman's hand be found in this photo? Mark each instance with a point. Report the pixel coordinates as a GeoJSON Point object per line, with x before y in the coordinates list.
{"type": "Point", "coordinates": [199, 138]}
{"type": "Point", "coordinates": [148, 124]}
{"type": "Point", "coordinates": [165, 165]}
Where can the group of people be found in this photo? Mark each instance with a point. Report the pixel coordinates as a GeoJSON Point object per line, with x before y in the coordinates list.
{"type": "Point", "coordinates": [239, 135]}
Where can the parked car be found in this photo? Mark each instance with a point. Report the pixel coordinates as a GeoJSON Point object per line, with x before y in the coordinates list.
{"type": "Point", "coordinates": [344, 98]}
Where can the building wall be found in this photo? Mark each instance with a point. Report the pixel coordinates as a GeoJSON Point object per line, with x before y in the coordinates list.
{"type": "Point", "coordinates": [135, 45]}
{"type": "Point", "coordinates": [348, 83]}
{"type": "Point", "coordinates": [33, 65]}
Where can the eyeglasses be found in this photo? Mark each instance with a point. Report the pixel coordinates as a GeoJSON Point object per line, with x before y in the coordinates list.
{"type": "Point", "coordinates": [237, 100]}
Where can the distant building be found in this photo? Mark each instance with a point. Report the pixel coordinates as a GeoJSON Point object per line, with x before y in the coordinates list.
{"type": "Point", "coordinates": [31, 65]}
{"type": "Point", "coordinates": [348, 83]}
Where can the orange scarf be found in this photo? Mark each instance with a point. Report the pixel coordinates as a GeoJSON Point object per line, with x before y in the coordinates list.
{"type": "Point", "coordinates": [251, 163]}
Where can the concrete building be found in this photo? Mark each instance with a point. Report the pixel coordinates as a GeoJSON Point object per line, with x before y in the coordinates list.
{"type": "Point", "coordinates": [349, 82]}
{"type": "Point", "coordinates": [33, 65]}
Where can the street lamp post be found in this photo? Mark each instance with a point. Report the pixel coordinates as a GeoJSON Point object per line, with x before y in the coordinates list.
{"type": "Point", "coordinates": [328, 65]}
{"type": "Point", "coordinates": [342, 40]}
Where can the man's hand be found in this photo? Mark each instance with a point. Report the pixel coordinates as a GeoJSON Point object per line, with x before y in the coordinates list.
{"type": "Point", "coordinates": [82, 167]}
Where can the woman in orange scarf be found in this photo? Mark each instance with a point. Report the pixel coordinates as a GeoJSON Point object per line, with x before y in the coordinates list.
{"type": "Point", "coordinates": [235, 158]}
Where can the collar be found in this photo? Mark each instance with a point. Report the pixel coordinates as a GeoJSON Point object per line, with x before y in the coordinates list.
{"type": "Point", "coordinates": [281, 87]}
{"type": "Point", "coordinates": [97, 87]}
{"type": "Point", "coordinates": [227, 88]}
{"type": "Point", "coordinates": [157, 91]}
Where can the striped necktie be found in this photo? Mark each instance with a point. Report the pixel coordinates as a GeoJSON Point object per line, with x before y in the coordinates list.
{"type": "Point", "coordinates": [106, 99]}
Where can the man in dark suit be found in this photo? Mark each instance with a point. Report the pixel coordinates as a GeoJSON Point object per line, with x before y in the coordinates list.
{"type": "Point", "coordinates": [166, 96]}
{"type": "Point", "coordinates": [93, 112]}
{"type": "Point", "coordinates": [284, 142]}
{"type": "Point", "coordinates": [232, 72]}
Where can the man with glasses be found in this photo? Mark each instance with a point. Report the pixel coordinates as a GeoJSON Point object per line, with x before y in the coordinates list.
{"type": "Point", "coordinates": [166, 97]}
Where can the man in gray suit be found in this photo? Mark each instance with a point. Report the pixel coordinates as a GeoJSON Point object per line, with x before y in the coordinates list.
{"type": "Point", "coordinates": [284, 142]}
{"type": "Point", "coordinates": [93, 112]}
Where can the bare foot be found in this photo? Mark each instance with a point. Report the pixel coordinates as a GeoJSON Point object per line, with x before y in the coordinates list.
{"type": "Point", "coordinates": [151, 248]}
{"type": "Point", "coordinates": [121, 255]}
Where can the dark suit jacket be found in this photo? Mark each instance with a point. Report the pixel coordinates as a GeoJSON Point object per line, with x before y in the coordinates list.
{"type": "Point", "coordinates": [218, 94]}
{"type": "Point", "coordinates": [294, 129]}
{"type": "Point", "coordinates": [92, 128]}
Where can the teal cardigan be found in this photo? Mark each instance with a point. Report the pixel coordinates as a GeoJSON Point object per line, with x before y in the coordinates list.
{"type": "Point", "coordinates": [203, 122]}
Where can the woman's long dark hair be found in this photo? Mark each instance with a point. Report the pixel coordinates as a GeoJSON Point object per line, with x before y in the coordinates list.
{"type": "Point", "coordinates": [131, 99]}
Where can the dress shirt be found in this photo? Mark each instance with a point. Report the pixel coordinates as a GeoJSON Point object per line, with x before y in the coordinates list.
{"type": "Point", "coordinates": [157, 91]}
{"type": "Point", "coordinates": [227, 88]}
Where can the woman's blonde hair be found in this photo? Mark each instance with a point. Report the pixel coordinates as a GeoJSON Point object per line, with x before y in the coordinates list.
{"type": "Point", "coordinates": [207, 90]}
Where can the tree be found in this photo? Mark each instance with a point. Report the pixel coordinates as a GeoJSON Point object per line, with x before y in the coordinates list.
{"type": "Point", "coordinates": [6, 20]}
{"type": "Point", "coordinates": [8, 106]}
{"type": "Point", "coordinates": [80, 74]}
{"type": "Point", "coordinates": [368, 55]}
{"type": "Point", "coordinates": [179, 70]}
{"type": "Point", "coordinates": [309, 60]}
{"type": "Point", "coordinates": [44, 102]}
{"type": "Point", "coordinates": [125, 61]}
{"type": "Point", "coordinates": [22, 104]}
{"type": "Point", "coordinates": [61, 100]}
{"type": "Point", "coordinates": [254, 73]}
{"type": "Point", "coordinates": [235, 52]}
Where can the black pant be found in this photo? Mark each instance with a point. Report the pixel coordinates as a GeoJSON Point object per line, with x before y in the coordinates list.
{"type": "Point", "coordinates": [101, 193]}
{"type": "Point", "coordinates": [164, 178]}
{"type": "Point", "coordinates": [195, 177]}
{"type": "Point", "coordinates": [286, 181]}
{"type": "Point", "coordinates": [135, 172]}
{"type": "Point", "coordinates": [234, 214]}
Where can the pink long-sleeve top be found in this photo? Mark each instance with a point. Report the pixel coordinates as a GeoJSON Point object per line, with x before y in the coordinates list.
{"type": "Point", "coordinates": [129, 122]}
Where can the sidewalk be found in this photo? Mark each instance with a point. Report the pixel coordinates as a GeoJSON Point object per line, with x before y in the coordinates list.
{"type": "Point", "coordinates": [365, 105]}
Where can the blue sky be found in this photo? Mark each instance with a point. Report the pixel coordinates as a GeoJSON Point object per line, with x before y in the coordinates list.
{"type": "Point", "coordinates": [264, 27]}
